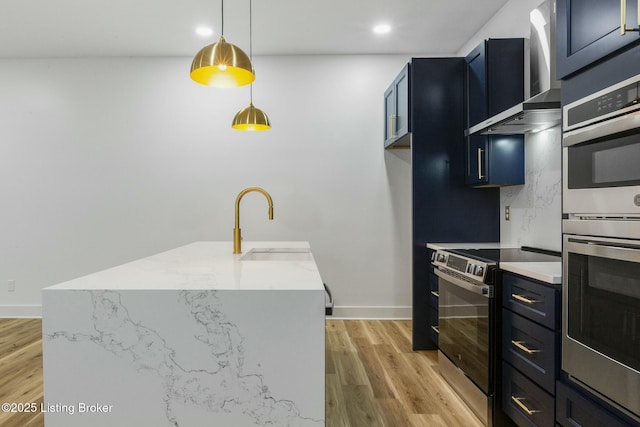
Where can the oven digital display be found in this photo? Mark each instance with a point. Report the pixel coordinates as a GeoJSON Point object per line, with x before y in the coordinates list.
{"type": "Point", "coordinates": [456, 263]}
{"type": "Point", "coordinates": [602, 105]}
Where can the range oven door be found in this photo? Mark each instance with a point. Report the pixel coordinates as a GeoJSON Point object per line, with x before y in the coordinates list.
{"type": "Point", "coordinates": [464, 326]}
{"type": "Point", "coordinates": [601, 317]}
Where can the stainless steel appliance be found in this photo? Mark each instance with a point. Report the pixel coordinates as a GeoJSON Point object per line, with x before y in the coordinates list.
{"type": "Point", "coordinates": [601, 244]}
{"type": "Point", "coordinates": [601, 313]}
{"type": "Point", "coordinates": [465, 303]}
{"type": "Point", "coordinates": [468, 339]}
{"type": "Point", "coordinates": [601, 154]}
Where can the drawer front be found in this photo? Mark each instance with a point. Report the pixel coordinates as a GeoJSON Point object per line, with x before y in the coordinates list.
{"type": "Point", "coordinates": [532, 300]}
{"type": "Point", "coordinates": [575, 410]}
{"type": "Point", "coordinates": [531, 348]}
{"type": "Point", "coordinates": [524, 402]}
{"type": "Point", "coordinates": [433, 290]}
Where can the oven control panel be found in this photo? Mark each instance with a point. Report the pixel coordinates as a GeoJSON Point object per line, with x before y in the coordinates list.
{"type": "Point", "coordinates": [471, 268]}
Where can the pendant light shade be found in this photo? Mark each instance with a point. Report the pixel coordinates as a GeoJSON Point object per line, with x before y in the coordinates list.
{"type": "Point", "coordinates": [251, 119]}
{"type": "Point", "coordinates": [222, 64]}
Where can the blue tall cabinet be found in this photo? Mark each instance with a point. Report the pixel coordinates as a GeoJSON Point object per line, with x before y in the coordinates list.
{"type": "Point", "coordinates": [441, 202]}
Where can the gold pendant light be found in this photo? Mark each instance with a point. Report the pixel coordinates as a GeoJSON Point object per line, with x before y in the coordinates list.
{"type": "Point", "coordinates": [222, 64]}
{"type": "Point", "coordinates": [251, 118]}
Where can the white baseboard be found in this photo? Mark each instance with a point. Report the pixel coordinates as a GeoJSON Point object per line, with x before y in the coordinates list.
{"type": "Point", "coordinates": [364, 312]}
{"type": "Point", "coordinates": [20, 311]}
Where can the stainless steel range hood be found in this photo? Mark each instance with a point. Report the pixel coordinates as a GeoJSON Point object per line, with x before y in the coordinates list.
{"type": "Point", "coordinates": [541, 111]}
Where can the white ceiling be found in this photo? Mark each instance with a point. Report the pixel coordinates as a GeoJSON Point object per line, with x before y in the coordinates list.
{"type": "Point", "coordinates": [72, 28]}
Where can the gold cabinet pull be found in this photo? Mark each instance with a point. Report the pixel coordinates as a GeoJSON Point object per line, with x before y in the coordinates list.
{"type": "Point", "coordinates": [521, 346]}
{"type": "Point", "coordinates": [623, 18]}
{"type": "Point", "coordinates": [436, 329]}
{"type": "Point", "coordinates": [524, 299]}
{"type": "Point", "coordinates": [518, 401]}
{"type": "Point", "coordinates": [392, 125]}
{"type": "Point", "coordinates": [480, 151]}
{"type": "Point", "coordinates": [435, 294]}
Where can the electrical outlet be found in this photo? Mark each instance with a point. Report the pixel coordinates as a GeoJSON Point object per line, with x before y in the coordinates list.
{"type": "Point", "coordinates": [507, 213]}
{"type": "Point", "coordinates": [11, 286]}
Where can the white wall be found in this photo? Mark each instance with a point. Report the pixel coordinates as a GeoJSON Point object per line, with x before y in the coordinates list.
{"type": "Point", "coordinates": [103, 161]}
{"type": "Point", "coordinates": [512, 20]}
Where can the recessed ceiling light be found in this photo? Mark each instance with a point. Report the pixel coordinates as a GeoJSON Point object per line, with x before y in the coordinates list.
{"type": "Point", "coordinates": [382, 29]}
{"type": "Point", "coordinates": [204, 31]}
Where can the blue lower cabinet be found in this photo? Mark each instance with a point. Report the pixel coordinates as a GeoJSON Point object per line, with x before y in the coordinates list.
{"type": "Point", "coordinates": [531, 299]}
{"type": "Point", "coordinates": [530, 348]}
{"type": "Point", "coordinates": [523, 401]}
{"type": "Point", "coordinates": [573, 409]}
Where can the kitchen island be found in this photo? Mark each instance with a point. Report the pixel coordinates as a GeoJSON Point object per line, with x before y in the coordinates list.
{"type": "Point", "coordinates": [189, 337]}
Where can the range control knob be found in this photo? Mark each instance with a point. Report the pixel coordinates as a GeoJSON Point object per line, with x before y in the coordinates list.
{"type": "Point", "coordinates": [471, 268]}
{"type": "Point", "coordinates": [442, 257]}
{"type": "Point", "coordinates": [479, 271]}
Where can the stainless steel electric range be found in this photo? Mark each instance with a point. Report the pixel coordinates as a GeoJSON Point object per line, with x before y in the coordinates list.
{"type": "Point", "coordinates": [469, 305]}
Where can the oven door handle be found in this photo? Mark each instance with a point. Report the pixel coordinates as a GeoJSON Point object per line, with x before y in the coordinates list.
{"type": "Point", "coordinates": [612, 126]}
{"type": "Point", "coordinates": [602, 248]}
{"type": "Point", "coordinates": [484, 290]}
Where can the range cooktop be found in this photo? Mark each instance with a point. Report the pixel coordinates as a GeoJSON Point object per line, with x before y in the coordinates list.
{"type": "Point", "coordinates": [523, 254]}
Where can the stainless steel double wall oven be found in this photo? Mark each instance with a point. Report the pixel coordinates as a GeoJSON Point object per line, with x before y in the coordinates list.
{"type": "Point", "coordinates": [601, 244]}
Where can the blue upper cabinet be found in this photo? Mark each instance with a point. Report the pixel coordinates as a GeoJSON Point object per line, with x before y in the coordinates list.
{"type": "Point", "coordinates": [396, 110]}
{"type": "Point", "coordinates": [589, 30]}
{"type": "Point", "coordinates": [476, 85]}
{"type": "Point", "coordinates": [494, 83]}
{"type": "Point", "coordinates": [495, 78]}
{"type": "Point", "coordinates": [495, 160]}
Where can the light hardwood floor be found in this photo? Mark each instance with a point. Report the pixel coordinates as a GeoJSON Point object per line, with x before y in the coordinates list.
{"type": "Point", "coordinates": [373, 378]}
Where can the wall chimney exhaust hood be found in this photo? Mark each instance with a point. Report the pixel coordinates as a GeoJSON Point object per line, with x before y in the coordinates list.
{"type": "Point", "coordinates": [541, 111]}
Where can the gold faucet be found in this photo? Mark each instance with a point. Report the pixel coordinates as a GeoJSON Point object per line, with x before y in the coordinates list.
{"type": "Point", "coordinates": [237, 236]}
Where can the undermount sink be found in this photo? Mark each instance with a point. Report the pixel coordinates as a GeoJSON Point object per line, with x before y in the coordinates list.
{"type": "Point", "coordinates": [278, 254]}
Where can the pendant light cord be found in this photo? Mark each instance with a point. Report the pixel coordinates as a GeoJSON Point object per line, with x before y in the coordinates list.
{"type": "Point", "coordinates": [251, 46]}
{"type": "Point", "coordinates": [222, 12]}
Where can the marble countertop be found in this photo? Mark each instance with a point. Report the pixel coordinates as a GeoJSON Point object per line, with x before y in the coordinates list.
{"type": "Point", "coordinates": [210, 266]}
{"type": "Point", "coordinates": [548, 272]}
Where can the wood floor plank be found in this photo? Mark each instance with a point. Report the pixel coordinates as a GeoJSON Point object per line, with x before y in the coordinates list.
{"type": "Point", "coordinates": [372, 377]}
{"type": "Point", "coordinates": [16, 333]}
{"type": "Point", "coordinates": [395, 336]}
{"type": "Point", "coordinates": [375, 372]}
{"type": "Point", "coordinates": [395, 414]}
{"type": "Point", "coordinates": [22, 374]}
{"type": "Point", "coordinates": [349, 369]}
{"type": "Point", "coordinates": [336, 412]}
{"type": "Point", "coordinates": [361, 407]}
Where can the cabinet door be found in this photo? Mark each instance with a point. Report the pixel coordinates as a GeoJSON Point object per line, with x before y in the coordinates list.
{"type": "Point", "coordinates": [588, 30]}
{"type": "Point", "coordinates": [397, 103]}
{"type": "Point", "coordinates": [505, 74]}
{"type": "Point", "coordinates": [495, 160]}
{"type": "Point", "coordinates": [476, 85]}
{"type": "Point", "coordinates": [402, 86]}
{"type": "Point", "coordinates": [389, 113]}
{"type": "Point", "coordinates": [524, 402]}
{"type": "Point", "coordinates": [574, 409]}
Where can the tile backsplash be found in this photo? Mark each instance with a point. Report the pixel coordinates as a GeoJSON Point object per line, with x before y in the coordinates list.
{"type": "Point", "coordinates": [535, 207]}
